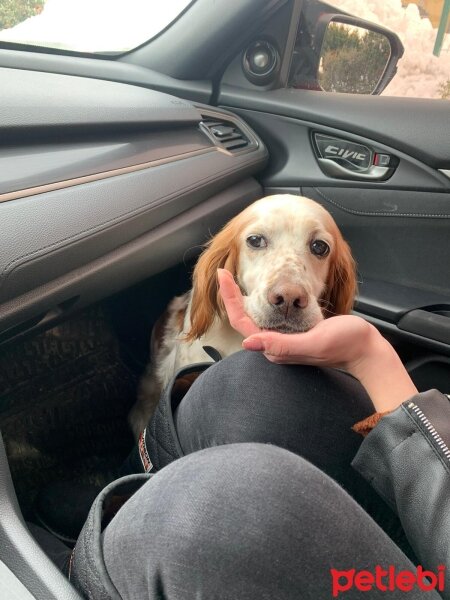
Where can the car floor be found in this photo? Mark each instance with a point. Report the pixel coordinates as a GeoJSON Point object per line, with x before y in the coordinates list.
{"type": "Point", "coordinates": [65, 393]}
{"type": "Point", "coordinates": [64, 398]}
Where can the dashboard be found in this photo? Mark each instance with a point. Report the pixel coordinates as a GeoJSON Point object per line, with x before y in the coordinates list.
{"type": "Point", "coordinates": [103, 184]}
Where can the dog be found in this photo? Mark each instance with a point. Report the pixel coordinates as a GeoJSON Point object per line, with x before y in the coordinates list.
{"type": "Point", "coordinates": [293, 267]}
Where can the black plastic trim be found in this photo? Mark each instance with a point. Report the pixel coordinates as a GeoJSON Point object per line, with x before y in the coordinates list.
{"type": "Point", "coordinates": [168, 244]}
{"type": "Point", "coordinates": [427, 324]}
{"type": "Point", "coordinates": [65, 228]}
{"type": "Point", "coordinates": [390, 329]}
{"type": "Point", "coordinates": [58, 161]}
{"type": "Point", "coordinates": [199, 45]}
{"type": "Point", "coordinates": [19, 551]}
{"type": "Point", "coordinates": [391, 302]}
{"type": "Point", "coordinates": [42, 101]}
{"type": "Point", "coordinates": [403, 123]}
{"type": "Point", "coordinates": [293, 161]}
{"type": "Point", "coordinates": [107, 70]}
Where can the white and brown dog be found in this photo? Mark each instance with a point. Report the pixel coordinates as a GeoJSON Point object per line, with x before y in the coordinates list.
{"type": "Point", "coordinates": [293, 267]}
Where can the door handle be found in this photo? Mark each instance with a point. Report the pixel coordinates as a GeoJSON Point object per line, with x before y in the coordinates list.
{"type": "Point", "coordinates": [345, 159]}
{"type": "Point", "coordinates": [334, 169]}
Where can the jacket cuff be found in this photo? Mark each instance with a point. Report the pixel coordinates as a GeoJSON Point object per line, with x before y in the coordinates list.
{"type": "Point", "coordinates": [366, 425]}
{"type": "Point", "coordinates": [398, 437]}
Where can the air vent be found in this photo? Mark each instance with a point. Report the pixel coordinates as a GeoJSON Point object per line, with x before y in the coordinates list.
{"type": "Point", "coordinates": [227, 134]}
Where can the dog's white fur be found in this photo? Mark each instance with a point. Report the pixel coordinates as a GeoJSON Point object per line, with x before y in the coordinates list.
{"type": "Point", "coordinates": [315, 287]}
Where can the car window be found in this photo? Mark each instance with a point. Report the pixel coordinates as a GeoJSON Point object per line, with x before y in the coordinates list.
{"type": "Point", "coordinates": [90, 26]}
{"type": "Point", "coordinates": [352, 59]}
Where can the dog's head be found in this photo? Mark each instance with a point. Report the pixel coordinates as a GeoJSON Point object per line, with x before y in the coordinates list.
{"type": "Point", "coordinates": [290, 260]}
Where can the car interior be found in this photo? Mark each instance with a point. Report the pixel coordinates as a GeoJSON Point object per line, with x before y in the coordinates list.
{"type": "Point", "coordinates": [114, 172]}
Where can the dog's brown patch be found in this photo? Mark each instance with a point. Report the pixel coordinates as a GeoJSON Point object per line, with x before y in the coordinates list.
{"type": "Point", "coordinates": [179, 319]}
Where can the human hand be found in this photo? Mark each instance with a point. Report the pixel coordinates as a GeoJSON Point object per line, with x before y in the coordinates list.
{"type": "Point", "coordinates": [346, 342]}
{"type": "Point", "coordinates": [335, 342]}
{"type": "Point", "coordinates": [234, 304]}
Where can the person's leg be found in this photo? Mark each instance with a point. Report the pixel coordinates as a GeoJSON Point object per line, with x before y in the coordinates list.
{"type": "Point", "coordinates": [248, 521]}
{"type": "Point", "coordinates": [307, 410]}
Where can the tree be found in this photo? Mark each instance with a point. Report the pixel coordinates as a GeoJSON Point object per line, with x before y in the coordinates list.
{"type": "Point", "coordinates": [13, 12]}
{"type": "Point", "coordinates": [444, 90]}
{"type": "Point", "coordinates": [352, 59]}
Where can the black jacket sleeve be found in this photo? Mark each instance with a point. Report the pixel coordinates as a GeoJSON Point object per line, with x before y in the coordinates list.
{"type": "Point", "coordinates": [406, 458]}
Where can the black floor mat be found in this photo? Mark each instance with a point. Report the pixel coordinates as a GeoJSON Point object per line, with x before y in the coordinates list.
{"type": "Point", "coordinates": [64, 399]}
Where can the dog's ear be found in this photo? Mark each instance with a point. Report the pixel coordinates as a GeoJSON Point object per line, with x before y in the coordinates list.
{"type": "Point", "coordinates": [221, 252]}
{"type": "Point", "coordinates": [341, 281]}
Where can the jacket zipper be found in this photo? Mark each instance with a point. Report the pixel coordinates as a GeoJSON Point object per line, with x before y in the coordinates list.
{"type": "Point", "coordinates": [432, 431]}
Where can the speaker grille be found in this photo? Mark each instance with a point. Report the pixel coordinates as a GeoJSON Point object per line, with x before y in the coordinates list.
{"type": "Point", "coordinates": [260, 62]}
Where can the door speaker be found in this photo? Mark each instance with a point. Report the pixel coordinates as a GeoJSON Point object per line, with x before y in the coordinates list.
{"type": "Point", "coordinates": [261, 62]}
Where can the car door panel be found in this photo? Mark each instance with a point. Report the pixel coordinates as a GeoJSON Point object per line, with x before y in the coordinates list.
{"type": "Point", "coordinates": [399, 247]}
{"type": "Point", "coordinates": [398, 228]}
{"type": "Point", "coordinates": [416, 126]}
{"type": "Point", "coordinates": [293, 159]}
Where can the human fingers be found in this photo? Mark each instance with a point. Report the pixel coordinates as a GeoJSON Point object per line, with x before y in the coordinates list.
{"type": "Point", "coordinates": [283, 347]}
{"type": "Point", "coordinates": [234, 304]}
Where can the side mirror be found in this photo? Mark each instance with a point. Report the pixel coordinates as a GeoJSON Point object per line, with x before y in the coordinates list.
{"type": "Point", "coordinates": [337, 52]}
{"type": "Point", "coordinates": [357, 58]}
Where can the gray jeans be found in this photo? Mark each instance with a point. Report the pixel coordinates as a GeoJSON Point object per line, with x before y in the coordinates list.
{"type": "Point", "coordinates": [246, 514]}
{"type": "Point", "coordinates": [244, 521]}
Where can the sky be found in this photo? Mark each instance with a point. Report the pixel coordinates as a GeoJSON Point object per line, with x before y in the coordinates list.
{"type": "Point", "coordinates": [96, 25]}
{"type": "Point", "coordinates": [102, 25]}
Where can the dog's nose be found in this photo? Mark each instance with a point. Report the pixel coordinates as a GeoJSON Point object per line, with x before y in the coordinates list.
{"type": "Point", "coordinates": [288, 295]}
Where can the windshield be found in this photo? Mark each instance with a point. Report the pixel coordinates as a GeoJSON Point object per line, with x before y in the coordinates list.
{"type": "Point", "coordinates": [92, 26]}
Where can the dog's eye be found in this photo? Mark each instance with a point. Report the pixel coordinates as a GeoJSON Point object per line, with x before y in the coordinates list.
{"type": "Point", "coordinates": [319, 248]}
{"type": "Point", "coordinates": [256, 241]}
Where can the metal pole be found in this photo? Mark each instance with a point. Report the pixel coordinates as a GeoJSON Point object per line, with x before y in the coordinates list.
{"type": "Point", "coordinates": [442, 28]}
